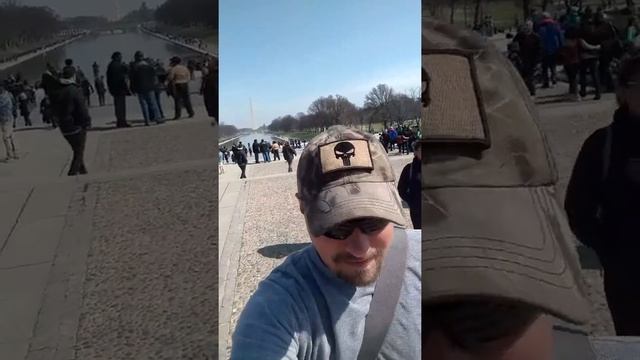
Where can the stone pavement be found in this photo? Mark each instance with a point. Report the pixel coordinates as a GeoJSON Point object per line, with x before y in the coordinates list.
{"type": "Point", "coordinates": [260, 224]}
{"type": "Point", "coordinates": [117, 264]}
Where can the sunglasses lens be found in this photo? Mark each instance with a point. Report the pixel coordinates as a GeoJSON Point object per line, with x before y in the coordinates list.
{"type": "Point", "coordinates": [367, 226]}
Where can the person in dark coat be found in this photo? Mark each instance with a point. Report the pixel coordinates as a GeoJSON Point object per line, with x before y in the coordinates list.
{"type": "Point", "coordinates": [49, 82]}
{"type": "Point", "coordinates": [143, 84]}
{"type": "Point", "coordinates": [24, 103]}
{"type": "Point", "coordinates": [68, 66]}
{"type": "Point", "coordinates": [530, 51]}
{"type": "Point", "coordinates": [603, 198]}
{"type": "Point", "coordinates": [589, 54]}
{"type": "Point", "coordinates": [289, 154]}
{"type": "Point", "coordinates": [209, 89]}
{"type": "Point", "coordinates": [410, 186]}
{"type": "Point", "coordinates": [256, 150]}
{"type": "Point", "coordinates": [241, 159]}
{"type": "Point", "coordinates": [73, 119]}
{"type": "Point", "coordinates": [87, 90]}
{"type": "Point", "coordinates": [117, 74]}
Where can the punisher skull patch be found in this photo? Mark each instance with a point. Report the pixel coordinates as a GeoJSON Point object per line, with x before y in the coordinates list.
{"type": "Point", "coordinates": [345, 155]}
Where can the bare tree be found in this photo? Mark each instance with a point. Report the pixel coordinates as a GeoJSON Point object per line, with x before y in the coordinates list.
{"type": "Point", "coordinates": [380, 98]}
{"type": "Point", "coordinates": [333, 110]}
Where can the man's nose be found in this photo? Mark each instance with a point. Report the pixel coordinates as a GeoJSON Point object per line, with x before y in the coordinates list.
{"type": "Point", "coordinates": [358, 244]}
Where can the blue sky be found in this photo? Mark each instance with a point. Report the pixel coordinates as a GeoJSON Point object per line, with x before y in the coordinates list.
{"type": "Point", "coordinates": [283, 54]}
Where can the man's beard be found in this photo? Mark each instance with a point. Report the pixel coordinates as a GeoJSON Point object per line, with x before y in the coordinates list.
{"type": "Point", "coordinates": [360, 277]}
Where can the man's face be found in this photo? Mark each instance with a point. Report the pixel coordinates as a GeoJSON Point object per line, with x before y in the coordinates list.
{"type": "Point", "coordinates": [358, 258]}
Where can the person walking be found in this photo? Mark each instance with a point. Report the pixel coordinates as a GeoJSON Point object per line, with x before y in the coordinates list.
{"type": "Point", "coordinates": [101, 90]}
{"type": "Point", "coordinates": [25, 108]}
{"type": "Point", "coordinates": [143, 84]}
{"type": "Point", "coordinates": [87, 90]}
{"type": "Point", "coordinates": [589, 55]}
{"type": "Point", "coordinates": [96, 70]}
{"type": "Point", "coordinates": [530, 50]}
{"type": "Point", "coordinates": [241, 159]}
{"type": "Point", "coordinates": [631, 32]}
{"type": "Point", "coordinates": [275, 149]}
{"type": "Point", "coordinates": [7, 114]}
{"type": "Point", "coordinates": [569, 57]}
{"type": "Point", "coordinates": [161, 81]}
{"type": "Point", "coordinates": [45, 110]}
{"type": "Point", "coordinates": [602, 201]}
{"type": "Point", "coordinates": [209, 89]}
{"type": "Point", "coordinates": [256, 150]}
{"type": "Point", "coordinates": [551, 36]}
{"type": "Point", "coordinates": [74, 119]}
{"type": "Point", "coordinates": [607, 37]}
{"type": "Point", "coordinates": [410, 186]}
{"type": "Point", "coordinates": [117, 73]}
{"type": "Point", "coordinates": [179, 77]}
{"type": "Point", "coordinates": [289, 154]}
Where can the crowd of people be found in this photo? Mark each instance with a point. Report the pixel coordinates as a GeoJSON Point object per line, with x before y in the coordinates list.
{"type": "Point", "coordinates": [191, 41]}
{"type": "Point", "coordinates": [145, 77]}
{"type": "Point", "coordinates": [401, 137]}
{"type": "Point", "coordinates": [68, 96]}
{"type": "Point", "coordinates": [586, 43]}
{"type": "Point", "coordinates": [240, 154]}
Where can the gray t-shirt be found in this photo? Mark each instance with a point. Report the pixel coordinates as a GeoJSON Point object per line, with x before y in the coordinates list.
{"type": "Point", "coordinates": [302, 310]}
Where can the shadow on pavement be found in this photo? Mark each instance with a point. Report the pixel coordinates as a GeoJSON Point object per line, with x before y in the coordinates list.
{"type": "Point", "coordinates": [31, 128]}
{"type": "Point", "coordinates": [281, 250]}
{"type": "Point", "coordinates": [588, 258]}
{"type": "Point", "coordinates": [552, 99]}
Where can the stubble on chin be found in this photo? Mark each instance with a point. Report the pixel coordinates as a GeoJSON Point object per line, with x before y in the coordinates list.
{"type": "Point", "coordinates": [361, 277]}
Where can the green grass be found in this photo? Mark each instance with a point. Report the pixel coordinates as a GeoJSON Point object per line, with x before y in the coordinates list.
{"type": "Point", "coordinates": [301, 135]}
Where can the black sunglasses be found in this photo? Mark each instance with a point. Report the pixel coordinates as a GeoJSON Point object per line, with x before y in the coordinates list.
{"type": "Point", "coordinates": [367, 225]}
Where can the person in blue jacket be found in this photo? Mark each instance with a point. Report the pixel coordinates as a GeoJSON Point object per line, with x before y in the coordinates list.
{"type": "Point", "coordinates": [552, 40]}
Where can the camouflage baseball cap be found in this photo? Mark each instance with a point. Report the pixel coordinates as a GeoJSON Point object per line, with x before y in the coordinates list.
{"type": "Point", "coordinates": [345, 174]}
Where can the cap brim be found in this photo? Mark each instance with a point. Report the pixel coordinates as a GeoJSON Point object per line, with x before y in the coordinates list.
{"type": "Point", "coordinates": [352, 201]}
{"type": "Point", "coordinates": [509, 243]}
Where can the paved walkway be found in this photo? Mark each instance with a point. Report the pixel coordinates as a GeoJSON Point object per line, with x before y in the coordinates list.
{"type": "Point", "coordinates": [116, 264]}
{"type": "Point", "coordinates": [260, 224]}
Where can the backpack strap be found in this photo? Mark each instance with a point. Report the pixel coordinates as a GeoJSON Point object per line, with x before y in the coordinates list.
{"type": "Point", "coordinates": [385, 297]}
{"type": "Point", "coordinates": [606, 153]}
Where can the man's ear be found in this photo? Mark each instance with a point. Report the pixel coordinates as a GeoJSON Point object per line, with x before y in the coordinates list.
{"type": "Point", "coordinates": [300, 203]}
